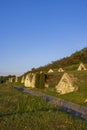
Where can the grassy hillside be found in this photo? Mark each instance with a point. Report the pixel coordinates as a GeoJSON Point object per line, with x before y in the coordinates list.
{"type": "Point", "coordinates": [70, 65]}
{"type": "Point", "coordinates": [75, 58]}
{"type": "Point", "coordinates": [19, 111]}
{"type": "Point", "coordinates": [80, 78]}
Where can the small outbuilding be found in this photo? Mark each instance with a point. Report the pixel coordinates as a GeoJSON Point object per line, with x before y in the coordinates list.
{"type": "Point", "coordinates": [30, 80]}
{"type": "Point", "coordinates": [60, 70]}
{"type": "Point", "coordinates": [50, 71]}
{"type": "Point", "coordinates": [65, 85]}
{"type": "Point", "coordinates": [81, 67]}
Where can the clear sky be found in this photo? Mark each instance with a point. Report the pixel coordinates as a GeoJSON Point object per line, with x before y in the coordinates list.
{"type": "Point", "coordinates": [34, 33]}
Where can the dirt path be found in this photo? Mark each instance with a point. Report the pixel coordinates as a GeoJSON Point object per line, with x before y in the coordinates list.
{"type": "Point", "coordinates": [48, 98]}
{"type": "Point", "coordinates": [69, 107]}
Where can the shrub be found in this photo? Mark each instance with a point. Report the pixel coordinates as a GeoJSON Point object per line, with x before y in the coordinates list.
{"type": "Point", "coordinates": [37, 78]}
{"type": "Point", "coordinates": [40, 80]}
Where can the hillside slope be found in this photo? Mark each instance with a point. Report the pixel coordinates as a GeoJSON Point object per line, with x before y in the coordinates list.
{"type": "Point", "coordinates": [75, 58]}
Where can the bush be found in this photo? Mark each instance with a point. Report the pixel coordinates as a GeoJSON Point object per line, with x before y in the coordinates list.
{"type": "Point", "coordinates": [40, 80]}
{"type": "Point", "coordinates": [37, 78]}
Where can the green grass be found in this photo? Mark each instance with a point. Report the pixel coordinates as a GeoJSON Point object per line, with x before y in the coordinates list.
{"type": "Point", "coordinates": [17, 83]}
{"type": "Point", "coordinates": [72, 67]}
{"type": "Point", "coordinates": [19, 111]}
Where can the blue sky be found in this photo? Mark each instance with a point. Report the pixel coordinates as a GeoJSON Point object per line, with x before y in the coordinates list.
{"type": "Point", "coordinates": [34, 33]}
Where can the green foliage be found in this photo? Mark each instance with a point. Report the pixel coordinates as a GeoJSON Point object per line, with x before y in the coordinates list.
{"type": "Point", "coordinates": [75, 58]}
{"type": "Point", "coordinates": [2, 79]}
{"type": "Point", "coordinates": [37, 78]}
{"type": "Point", "coordinates": [72, 67]}
{"type": "Point", "coordinates": [40, 80]}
